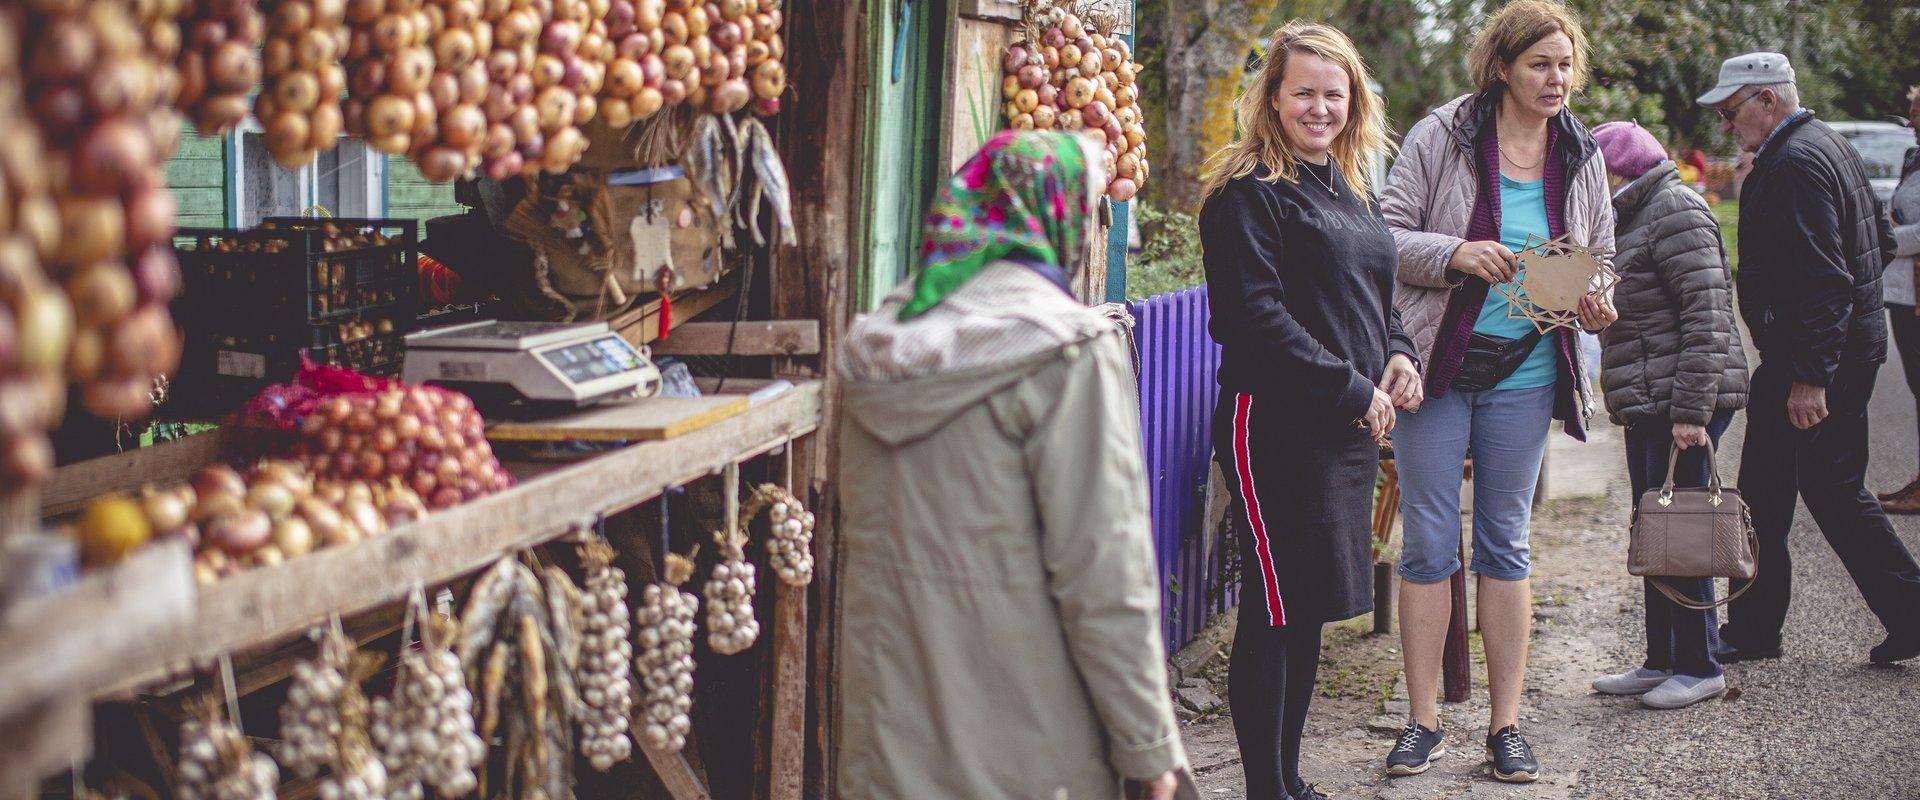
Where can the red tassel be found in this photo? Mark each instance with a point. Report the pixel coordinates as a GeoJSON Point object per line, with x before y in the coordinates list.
{"type": "Point", "coordinates": [666, 314]}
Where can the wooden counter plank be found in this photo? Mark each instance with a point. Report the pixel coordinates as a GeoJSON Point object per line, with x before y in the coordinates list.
{"type": "Point", "coordinates": [69, 645]}
{"type": "Point", "coordinates": [785, 337]}
{"type": "Point", "coordinates": [643, 420]}
{"type": "Point", "coordinates": [264, 605]}
{"type": "Point", "coordinates": [73, 485]}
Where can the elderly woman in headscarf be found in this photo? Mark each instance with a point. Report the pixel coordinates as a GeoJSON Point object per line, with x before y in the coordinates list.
{"type": "Point", "coordinates": [1000, 612]}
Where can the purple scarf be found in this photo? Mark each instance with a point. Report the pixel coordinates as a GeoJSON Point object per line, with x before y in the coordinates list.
{"type": "Point", "coordinates": [1463, 307]}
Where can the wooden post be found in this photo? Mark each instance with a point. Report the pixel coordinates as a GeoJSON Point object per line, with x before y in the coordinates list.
{"type": "Point", "coordinates": [820, 141]}
{"type": "Point", "coordinates": [1457, 664]}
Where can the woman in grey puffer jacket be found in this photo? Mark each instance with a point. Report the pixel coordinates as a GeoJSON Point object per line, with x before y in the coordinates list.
{"type": "Point", "coordinates": [1673, 372]}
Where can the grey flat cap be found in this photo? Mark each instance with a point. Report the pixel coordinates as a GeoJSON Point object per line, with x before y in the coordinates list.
{"type": "Point", "coordinates": [1747, 70]}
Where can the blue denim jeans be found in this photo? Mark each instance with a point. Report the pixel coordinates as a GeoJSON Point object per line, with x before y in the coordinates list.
{"type": "Point", "coordinates": [1678, 639]}
{"type": "Point", "coordinates": [1507, 430]}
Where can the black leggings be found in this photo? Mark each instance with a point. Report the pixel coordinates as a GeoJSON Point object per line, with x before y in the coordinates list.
{"type": "Point", "coordinates": [1269, 685]}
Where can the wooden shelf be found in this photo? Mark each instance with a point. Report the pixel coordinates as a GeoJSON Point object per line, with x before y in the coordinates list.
{"type": "Point", "coordinates": [70, 645]}
{"type": "Point", "coordinates": [262, 607]}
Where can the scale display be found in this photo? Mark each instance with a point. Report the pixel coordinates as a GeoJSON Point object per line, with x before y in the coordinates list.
{"type": "Point", "coordinates": [599, 358]}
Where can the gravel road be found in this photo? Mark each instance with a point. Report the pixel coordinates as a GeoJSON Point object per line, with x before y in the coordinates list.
{"type": "Point", "coordinates": [1819, 722]}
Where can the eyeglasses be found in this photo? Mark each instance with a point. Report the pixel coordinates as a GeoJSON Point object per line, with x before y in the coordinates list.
{"type": "Point", "coordinates": [1726, 114]}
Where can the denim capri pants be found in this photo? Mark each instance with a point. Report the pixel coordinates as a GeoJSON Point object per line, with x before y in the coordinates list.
{"type": "Point", "coordinates": [1507, 430]}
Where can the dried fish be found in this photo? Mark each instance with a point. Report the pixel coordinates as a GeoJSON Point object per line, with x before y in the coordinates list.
{"type": "Point", "coordinates": [493, 684]}
{"type": "Point", "coordinates": [769, 182]}
{"type": "Point", "coordinates": [485, 603]}
{"type": "Point", "coordinates": [709, 164]}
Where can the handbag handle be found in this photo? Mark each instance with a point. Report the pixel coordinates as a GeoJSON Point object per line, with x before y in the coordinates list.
{"type": "Point", "coordinates": [1713, 475]}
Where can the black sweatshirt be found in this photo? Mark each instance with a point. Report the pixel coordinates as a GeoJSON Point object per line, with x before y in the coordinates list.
{"type": "Point", "coordinates": [1300, 283]}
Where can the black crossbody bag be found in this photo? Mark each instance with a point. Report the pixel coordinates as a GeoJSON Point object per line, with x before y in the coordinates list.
{"type": "Point", "coordinates": [1490, 359]}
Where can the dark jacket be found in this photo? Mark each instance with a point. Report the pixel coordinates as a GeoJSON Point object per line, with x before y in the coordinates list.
{"type": "Point", "coordinates": [1300, 285]}
{"type": "Point", "coordinates": [1812, 243]}
{"type": "Point", "coordinates": [1675, 354]}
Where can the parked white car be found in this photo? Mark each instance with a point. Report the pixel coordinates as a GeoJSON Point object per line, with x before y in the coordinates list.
{"type": "Point", "coordinates": [1883, 145]}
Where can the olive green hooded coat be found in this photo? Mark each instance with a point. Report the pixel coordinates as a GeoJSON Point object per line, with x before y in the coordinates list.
{"type": "Point", "coordinates": [1000, 614]}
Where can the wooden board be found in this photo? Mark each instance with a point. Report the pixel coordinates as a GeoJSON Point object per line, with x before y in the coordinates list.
{"type": "Point", "coordinates": [786, 337]}
{"type": "Point", "coordinates": [642, 325]}
{"type": "Point", "coordinates": [43, 740]}
{"type": "Point", "coordinates": [75, 484]}
{"type": "Point", "coordinates": [645, 420]}
{"type": "Point", "coordinates": [673, 769]}
{"type": "Point", "coordinates": [789, 754]}
{"type": "Point", "coordinates": [973, 101]}
{"type": "Point", "coordinates": [69, 645]}
{"type": "Point", "coordinates": [264, 606]}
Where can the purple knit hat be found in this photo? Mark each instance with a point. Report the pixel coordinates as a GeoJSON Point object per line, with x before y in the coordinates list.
{"type": "Point", "coordinates": [1628, 148]}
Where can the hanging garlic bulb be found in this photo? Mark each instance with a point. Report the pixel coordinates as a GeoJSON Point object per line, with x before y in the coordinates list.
{"type": "Point", "coordinates": [789, 548]}
{"type": "Point", "coordinates": [310, 723]}
{"type": "Point", "coordinates": [665, 663]}
{"type": "Point", "coordinates": [731, 626]}
{"type": "Point", "coordinates": [217, 763]}
{"type": "Point", "coordinates": [425, 733]}
{"type": "Point", "coordinates": [606, 658]}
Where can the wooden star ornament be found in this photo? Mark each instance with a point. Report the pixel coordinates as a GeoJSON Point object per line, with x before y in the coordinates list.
{"type": "Point", "coordinates": [1554, 275]}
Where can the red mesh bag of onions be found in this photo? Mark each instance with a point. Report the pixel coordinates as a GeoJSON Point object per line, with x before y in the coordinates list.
{"type": "Point", "coordinates": [347, 425]}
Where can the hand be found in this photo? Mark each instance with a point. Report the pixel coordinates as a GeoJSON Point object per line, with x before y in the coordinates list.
{"type": "Point", "coordinates": [1597, 312]}
{"type": "Point", "coordinates": [1401, 382]}
{"type": "Point", "coordinates": [1162, 786]}
{"type": "Point", "coordinates": [1688, 435]}
{"type": "Point", "coordinates": [1489, 261]}
{"type": "Point", "coordinates": [1379, 416]}
{"type": "Point", "coordinates": [1806, 405]}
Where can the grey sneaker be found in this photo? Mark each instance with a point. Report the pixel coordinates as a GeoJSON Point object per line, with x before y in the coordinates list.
{"type": "Point", "coordinates": [1681, 691]}
{"type": "Point", "coordinates": [1638, 680]}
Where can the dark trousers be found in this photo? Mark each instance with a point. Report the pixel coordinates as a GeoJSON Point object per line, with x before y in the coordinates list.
{"type": "Point", "coordinates": [1678, 639]}
{"type": "Point", "coordinates": [1269, 686]}
{"type": "Point", "coordinates": [1826, 465]}
{"type": "Point", "coordinates": [1905, 328]}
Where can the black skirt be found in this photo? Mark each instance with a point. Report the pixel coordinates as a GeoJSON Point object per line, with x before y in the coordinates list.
{"type": "Point", "coordinates": [1303, 506]}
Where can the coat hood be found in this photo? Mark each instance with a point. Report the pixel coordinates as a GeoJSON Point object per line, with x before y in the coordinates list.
{"type": "Point", "coordinates": [907, 379]}
{"type": "Point", "coordinates": [1635, 194]}
{"type": "Point", "coordinates": [1466, 116]}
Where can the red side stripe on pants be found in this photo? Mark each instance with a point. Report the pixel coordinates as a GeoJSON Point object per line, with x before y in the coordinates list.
{"type": "Point", "coordinates": [1243, 465]}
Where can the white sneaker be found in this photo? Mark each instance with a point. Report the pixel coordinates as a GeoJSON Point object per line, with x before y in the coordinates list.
{"type": "Point", "coordinates": [1681, 691]}
{"type": "Point", "coordinates": [1638, 680]}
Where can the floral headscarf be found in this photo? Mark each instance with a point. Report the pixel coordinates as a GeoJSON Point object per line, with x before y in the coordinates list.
{"type": "Point", "coordinates": [1023, 195]}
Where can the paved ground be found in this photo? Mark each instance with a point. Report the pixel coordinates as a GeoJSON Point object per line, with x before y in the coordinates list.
{"type": "Point", "coordinates": [1818, 723]}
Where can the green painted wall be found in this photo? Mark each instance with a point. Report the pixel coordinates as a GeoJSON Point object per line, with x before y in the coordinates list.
{"type": "Point", "coordinates": [901, 117]}
{"type": "Point", "coordinates": [411, 196]}
{"type": "Point", "coordinates": [197, 174]}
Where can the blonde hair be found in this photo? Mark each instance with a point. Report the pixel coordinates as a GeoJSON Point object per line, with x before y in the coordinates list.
{"type": "Point", "coordinates": [1913, 92]}
{"type": "Point", "coordinates": [1514, 28]}
{"type": "Point", "coordinates": [1263, 141]}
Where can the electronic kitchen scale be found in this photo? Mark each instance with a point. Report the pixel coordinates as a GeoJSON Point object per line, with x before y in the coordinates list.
{"type": "Point", "coordinates": [542, 363]}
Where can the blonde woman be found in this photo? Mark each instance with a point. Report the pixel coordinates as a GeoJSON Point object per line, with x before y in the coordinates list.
{"type": "Point", "coordinates": [1478, 178]}
{"type": "Point", "coordinates": [1300, 273]}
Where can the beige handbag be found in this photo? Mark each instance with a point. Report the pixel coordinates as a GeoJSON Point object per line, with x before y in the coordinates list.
{"type": "Point", "coordinates": [1693, 533]}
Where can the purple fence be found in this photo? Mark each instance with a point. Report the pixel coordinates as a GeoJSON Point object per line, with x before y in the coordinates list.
{"type": "Point", "coordinates": [1177, 394]}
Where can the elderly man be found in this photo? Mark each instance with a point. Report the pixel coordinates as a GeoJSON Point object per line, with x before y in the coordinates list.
{"type": "Point", "coordinates": [1811, 235]}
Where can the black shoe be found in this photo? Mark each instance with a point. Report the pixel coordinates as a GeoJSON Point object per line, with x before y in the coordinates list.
{"type": "Point", "coordinates": [1307, 791]}
{"type": "Point", "coordinates": [1726, 652]}
{"type": "Point", "coordinates": [1512, 758]}
{"type": "Point", "coordinates": [1415, 751]}
{"type": "Point", "coordinates": [1897, 647]}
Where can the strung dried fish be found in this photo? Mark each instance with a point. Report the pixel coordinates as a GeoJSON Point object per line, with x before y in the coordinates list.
{"type": "Point", "coordinates": [769, 182]}
{"type": "Point", "coordinates": [485, 603]}
{"type": "Point", "coordinates": [710, 166]}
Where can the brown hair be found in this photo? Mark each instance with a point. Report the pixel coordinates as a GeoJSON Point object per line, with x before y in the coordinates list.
{"type": "Point", "coordinates": [1262, 141]}
{"type": "Point", "coordinates": [1514, 28]}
